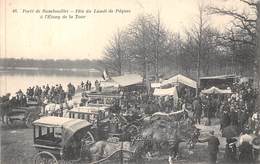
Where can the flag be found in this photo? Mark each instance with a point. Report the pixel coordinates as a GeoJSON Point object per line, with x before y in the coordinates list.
{"type": "Point", "coordinates": [104, 75]}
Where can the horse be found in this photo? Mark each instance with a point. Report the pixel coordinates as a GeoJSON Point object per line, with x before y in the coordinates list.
{"type": "Point", "coordinates": [165, 133]}
{"type": "Point", "coordinates": [52, 108]}
{"type": "Point", "coordinates": [105, 150]}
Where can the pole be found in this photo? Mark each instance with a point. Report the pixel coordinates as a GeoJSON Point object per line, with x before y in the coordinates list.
{"type": "Point", "coordinates": [257, 58]}
{"type": "Point", "coordinates": [198, 74]}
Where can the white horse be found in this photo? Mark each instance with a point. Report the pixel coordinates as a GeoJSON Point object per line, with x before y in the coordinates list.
{"type": "Point", "coordinates": [51, 108]}
{"type": "Point", "coordinates": [103, 149]}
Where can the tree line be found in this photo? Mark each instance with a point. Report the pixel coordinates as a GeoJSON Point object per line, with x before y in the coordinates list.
{"type": "Point", "coordinates": [50, 63]}
{"type": "Point", "coordinates": [148, 47]}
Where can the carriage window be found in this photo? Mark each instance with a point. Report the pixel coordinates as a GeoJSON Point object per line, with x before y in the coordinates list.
{"type": "Point", "coordinates": [47, 135]}
{"type": "Point", "coordinates": [75, 115]}
{"type": "Point", "coordinates": [72, 115]}
{"type": "Point", "coordinates": [83, 116]}
{"type": "Point", "coordinates": [58, 132]}
{"type": "Point", "coordinates": [106, 114]}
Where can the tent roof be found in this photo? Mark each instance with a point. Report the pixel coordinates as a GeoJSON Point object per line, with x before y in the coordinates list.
{"type": "Point", "coordinates": [216, 90]}
{"type": "Point", "coordinates": [219, 77]}
{"type": "Point", "coordinates": [107, 84]}
{"type": "Point", "coordinates": [180, 79]}
{"type": "Point", "coordinates": [166, 92]}
{"type": "Point", "coordinates": [127, 80]}
{"type": "Point", "coordinates": [88, 109]}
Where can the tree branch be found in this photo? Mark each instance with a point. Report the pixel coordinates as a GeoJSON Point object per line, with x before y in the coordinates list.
{"type": "Point", "coordinates": [249, 3]}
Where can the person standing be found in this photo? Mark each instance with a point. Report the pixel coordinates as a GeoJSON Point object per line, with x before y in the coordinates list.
{"type": "Point", "coordinates": [225, 120]}
{"type": "Point", "coordinates": [233, 116]}
{"type": "Point", "coordinates": [197, 110]}
{"type": "Point", "coordinates": [230, 151]}
{"type": "Point", "coordinates": [245, 147]}
{"type": "Point", "coordinates": [89, 85]}
{"type": "Point", "coordinates": [213, 144]}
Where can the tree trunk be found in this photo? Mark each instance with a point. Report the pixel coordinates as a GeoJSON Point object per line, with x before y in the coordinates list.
{"type": "Point", "coordinates": [257, 61]}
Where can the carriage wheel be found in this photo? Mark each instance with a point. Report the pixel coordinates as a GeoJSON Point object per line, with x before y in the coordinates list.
{"type": "Point", "coordinates": [88, 138]}
{"type": "Point", "coordinates": [45, 157]}
{"type": "Point", "coordinates": [11, 123]}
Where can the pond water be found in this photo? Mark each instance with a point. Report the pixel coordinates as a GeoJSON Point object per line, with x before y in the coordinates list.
{"type": "Point", "coordinates": [12, 81]}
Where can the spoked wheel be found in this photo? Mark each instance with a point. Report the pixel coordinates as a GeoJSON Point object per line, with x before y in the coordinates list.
{"type": "Point", "coordinates": [88, 138]}
{"type": "Point", "coordinates": [11, 123]}
{"type": "Point", "coordinates": [86, 141]}
{"type": "Point", "coordinates": [45, 157]}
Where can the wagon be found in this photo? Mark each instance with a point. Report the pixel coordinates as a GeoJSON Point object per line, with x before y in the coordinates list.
{"type": "Point", "coordinates": [101, 99]}
{"type": "Point", "coordinates": [106, 124]}
{"type": "Point", "coordinates": [99, 117]}
{"type": "Point", "coordinates": [22, 114]}
{"type": "Point", "coordinates": [59, 139]}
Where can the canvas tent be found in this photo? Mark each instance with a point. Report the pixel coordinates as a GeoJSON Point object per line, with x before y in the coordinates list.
{"type": "Point", "coordinates": [109, 86]}
{"type": "Point", "coordinates": [215, 90]}
{"type": "Point", "coordinates": [222, 81]}
{"type": "Point", "coordinates": [166, 92]}
{"type": "Point", "coordinates": [155, 85]}
{"type": "Point", "coordinates": [180, 79]}
{"type": "Point", "coordinates": [127, 80]}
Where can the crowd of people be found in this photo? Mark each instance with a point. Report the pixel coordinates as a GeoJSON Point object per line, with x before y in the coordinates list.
{"type": "Point", "coordinates": [55, 94]}
{"type": "Point", "coordinates": [87, 86]}
{"type": "Point", "coordinates": [235, 109]}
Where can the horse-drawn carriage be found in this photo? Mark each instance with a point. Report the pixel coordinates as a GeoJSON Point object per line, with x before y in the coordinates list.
{"type": "Point", "coordinates": [58, 138]}
{"type": "Point", "coordinates": [68, 140]}
{"type": "Point", "coordinates": [100, 99]}
{"type": "Point", "coordinates": [25, 114]}
{"type": "Point", "coordinates": [97, 116]}
{"type": "Point", "coordinates": [106, 124]}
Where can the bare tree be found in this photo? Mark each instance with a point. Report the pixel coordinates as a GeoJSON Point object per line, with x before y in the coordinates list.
{"type": "Point", "coordinates": [249, 24]}
{"type": "Point", "coordinates": [115, 54]}
{"type": "Point", "coordinates": [241, 37]}
{"type": "Point", "coordinates": [257, 67]}
{"type": "Point", "coordinates": [198, 33]}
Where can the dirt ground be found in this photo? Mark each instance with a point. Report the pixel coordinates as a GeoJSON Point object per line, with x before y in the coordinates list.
{"type": "Point", "coordinates": [16, 147]}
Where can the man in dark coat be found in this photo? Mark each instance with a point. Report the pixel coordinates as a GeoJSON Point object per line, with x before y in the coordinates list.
{"type": "Point", "coordinates": [234, 117]}
{"type": "Point", "coordinates": [197, 109]}
{"type": "Point", "coordinates": [230, 151]}
{"type": "Point", "coordinates": [213, 144]}
{"type": "Point", "coordinates": [225, 120]}
{"type": "Point", "coordinates": [246, 154]}
{"type": "Point", "coordinates": [245, 148]}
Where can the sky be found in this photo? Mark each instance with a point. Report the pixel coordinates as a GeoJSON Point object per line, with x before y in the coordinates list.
{"type": "Point", "coordinates": [26, 35]}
